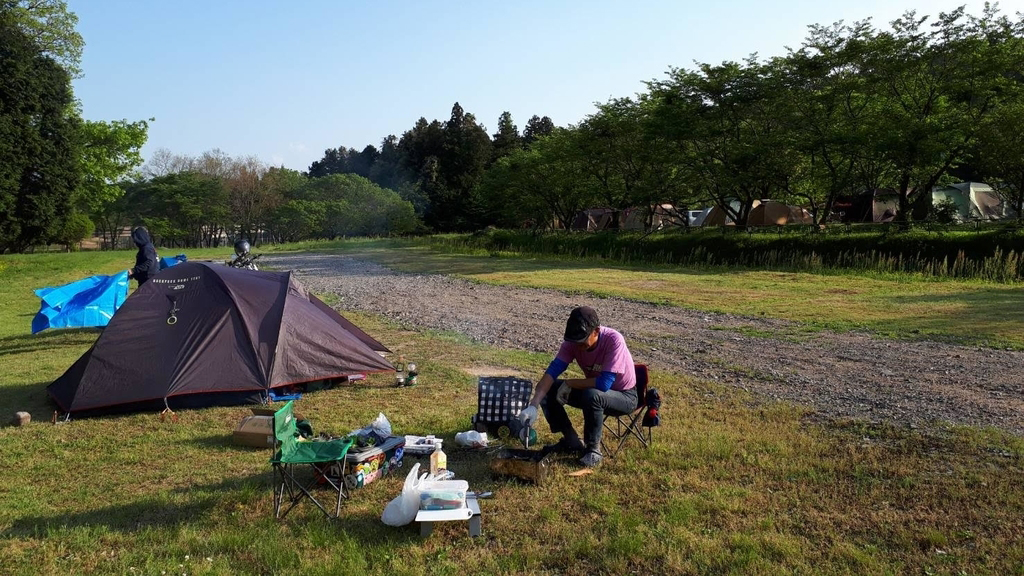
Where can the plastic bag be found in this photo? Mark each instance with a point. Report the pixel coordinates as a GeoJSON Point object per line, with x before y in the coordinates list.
{"type": "Point", "coordinates": [471, 439]}
{"type": "Point", "coordinates": [402, 510]}
{"type": "Point", "coordinates": [381, 426]}
{"type": "Point", "coordinates": [375, 434]}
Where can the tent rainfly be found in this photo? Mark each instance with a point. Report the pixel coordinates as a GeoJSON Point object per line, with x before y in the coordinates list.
{"type": "Point", "coordinates": [772, 213]}
{"type": "Point", "coordinates": [973, 200]}
{"type": "Point", "coordinates": [201, 334]}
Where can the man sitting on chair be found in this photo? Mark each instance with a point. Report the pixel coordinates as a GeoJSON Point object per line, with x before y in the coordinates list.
{"type": "Point", "coordinates": [610, 383]}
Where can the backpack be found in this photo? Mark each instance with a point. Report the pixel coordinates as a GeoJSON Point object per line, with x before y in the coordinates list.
{"type": "Point", "coordinates": [651, 416]}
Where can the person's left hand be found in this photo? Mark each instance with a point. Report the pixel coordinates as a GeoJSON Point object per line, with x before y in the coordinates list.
{"type": "Point", "coordinates": [563, 393]}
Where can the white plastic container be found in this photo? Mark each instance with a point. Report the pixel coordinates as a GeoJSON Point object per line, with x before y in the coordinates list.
{"type": "Point", "coordinates": [443, 494]}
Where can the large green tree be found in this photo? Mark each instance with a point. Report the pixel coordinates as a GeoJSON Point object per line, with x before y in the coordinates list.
{"type": "Point", "coordinates": [507, 138]}
{"type": "Point", "coordinates": [831, 105]}
{"type": "Point", "coordinates": [39, 141]}
{"type": "Point", "coordinates": [537, 127]}
{"type": "Point", "coordinates": [545, 184]}
{"type": "Point", "coordinates": [933, 90]}
{"type": "Point", "coordinates": [111, 151]}
{"type": "Point", "coordinates": [730, 128]}
{"type": "Point", "coordinates": [465, 152]}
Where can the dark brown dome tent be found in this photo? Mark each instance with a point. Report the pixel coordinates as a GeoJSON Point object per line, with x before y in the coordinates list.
{"type": "Point", "coordinates": [201, 334]}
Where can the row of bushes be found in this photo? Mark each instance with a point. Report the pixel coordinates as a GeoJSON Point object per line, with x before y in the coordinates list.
{"type": "Point", "coordinates": [996, 255]}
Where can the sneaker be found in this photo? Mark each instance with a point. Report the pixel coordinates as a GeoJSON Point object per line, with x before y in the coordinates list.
{"type": "Point", "coordinates": [568, 446]}
{"type": "Point", "coordinates": [591, 459]}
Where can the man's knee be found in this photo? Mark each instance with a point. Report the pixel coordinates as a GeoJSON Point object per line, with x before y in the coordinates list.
{"type": "Point", "coordinates": [591, 397]}
{"type": "Point", "coordinates": [553, 391]}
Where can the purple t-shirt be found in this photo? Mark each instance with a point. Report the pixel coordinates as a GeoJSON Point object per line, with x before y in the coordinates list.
{"type": "Point", "coordinates": [610, 355]}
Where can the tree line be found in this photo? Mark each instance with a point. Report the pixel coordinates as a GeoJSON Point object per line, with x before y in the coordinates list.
{"type": "Point", "coordinates": [855, 108]}
{"type": "Point", "coordinates": [192, 201]}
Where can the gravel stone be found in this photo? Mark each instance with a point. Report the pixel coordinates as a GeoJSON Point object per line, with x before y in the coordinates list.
{"type": "Point", "coordinates": [838, 375]}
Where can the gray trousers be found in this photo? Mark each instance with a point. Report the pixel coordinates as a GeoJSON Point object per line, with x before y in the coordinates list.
{"type": "Point", "coordinates": [593, 403]}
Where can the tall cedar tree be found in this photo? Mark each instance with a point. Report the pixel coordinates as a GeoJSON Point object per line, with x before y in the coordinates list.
{"type": "Point", "coordinates": [39, 149]}
{"type": "Point", "coordinates": [507, 138]}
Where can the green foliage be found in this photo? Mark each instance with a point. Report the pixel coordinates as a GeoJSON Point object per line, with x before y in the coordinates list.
{"type": "Point", "coordinates": [38, 141]}
{"type": "Point", "coordinates": [507, 138]}
{"type": "Point", "coordinates": [110, 151]}
{"type": "Point", "coordinates": [946, 212]}
{"type": "Point", "coordinates": [298, 219]}
{"type": "Point", "coordinates": [187, 208]}
{"type": "Point", "coordinates": [531, 185]}
{"type": "Point", "coordinates": [51, 26]}
{"type": "Point", "coordinates": [77, 227]}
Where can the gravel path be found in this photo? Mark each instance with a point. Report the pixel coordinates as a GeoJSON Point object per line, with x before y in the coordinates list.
{"type": "Point", "coordinates": [839, 375]}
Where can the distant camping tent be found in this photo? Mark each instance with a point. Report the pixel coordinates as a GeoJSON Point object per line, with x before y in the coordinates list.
{"type": "Point", "coordinates": [973, 200]}
{"type": "Point", "coordinates": [658, 215]}
{"type": "Point", "coordinates": [718, 217]}
{"type": "Point", "coordinates": [592, 219]}
{"type": "Point", "coordinates": [880, 205]}
{"type": "Point", "coordinates": [772, 213]}
{"type": "Point", "coordinates": [201, 334]}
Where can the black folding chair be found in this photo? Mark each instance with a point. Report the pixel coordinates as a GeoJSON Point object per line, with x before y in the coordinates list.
{"type": "Point", "coordinates": [626, 425]}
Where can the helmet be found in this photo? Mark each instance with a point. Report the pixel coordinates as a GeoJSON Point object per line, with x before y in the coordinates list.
{"type": "Point", "coordinates": [241, 247]}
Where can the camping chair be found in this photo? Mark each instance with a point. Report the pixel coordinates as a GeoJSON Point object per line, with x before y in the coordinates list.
{"type": "Point", "coordinates": [290, 455]}
{"type": "Point", "coordinates": [628, 424]}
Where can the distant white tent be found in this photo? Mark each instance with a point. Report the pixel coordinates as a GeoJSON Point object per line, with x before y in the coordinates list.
{"type": "Point", "coordinates": [973, 200]}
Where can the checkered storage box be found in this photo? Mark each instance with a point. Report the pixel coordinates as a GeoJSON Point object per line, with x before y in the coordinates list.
{"type": "Point", "coordinates": [500, 399]}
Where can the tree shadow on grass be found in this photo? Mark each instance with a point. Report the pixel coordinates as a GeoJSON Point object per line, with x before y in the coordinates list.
{"type": "Point", "coordinates": [986, 317]}
{"type": "Point", "coordinates": [48, 340]}
{"type": "Point", "coordinates": [31, 398]}
{"type": "Point", "coordinates": [151, 511]}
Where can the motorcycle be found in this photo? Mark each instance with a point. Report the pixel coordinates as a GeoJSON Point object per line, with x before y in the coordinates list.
{"type": "Point", "coordinates": [243, 258]}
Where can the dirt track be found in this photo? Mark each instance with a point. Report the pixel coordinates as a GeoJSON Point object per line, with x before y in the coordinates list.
{"type": "Point", "coordinates": [839, 375]}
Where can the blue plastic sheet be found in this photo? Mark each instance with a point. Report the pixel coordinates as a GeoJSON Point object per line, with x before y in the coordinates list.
{"type": "Point", "coordinates": [88, 302]}
{"type": "Point", "coordinates": [168, 262]}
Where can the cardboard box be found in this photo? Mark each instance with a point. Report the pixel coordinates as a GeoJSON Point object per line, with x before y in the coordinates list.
{"type": "Point", "coordinates": [256, 431]}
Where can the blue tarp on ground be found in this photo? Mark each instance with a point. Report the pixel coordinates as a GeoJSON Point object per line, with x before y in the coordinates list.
{"type": "Point", "coordinates": [88, 302]}
{"type": "Point", "coordinates": [168, 262]}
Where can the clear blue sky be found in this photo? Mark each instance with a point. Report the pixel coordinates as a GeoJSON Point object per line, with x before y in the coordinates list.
{"type": "Point", "coordinates": [284, 80]}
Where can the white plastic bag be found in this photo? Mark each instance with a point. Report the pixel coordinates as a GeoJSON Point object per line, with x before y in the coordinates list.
{"type": "Point", "coordinates": [402, 510]}
{"type": "Point", "coordinates": [471, 439]}
{"type": "Point", "coordinates": [381, 425]}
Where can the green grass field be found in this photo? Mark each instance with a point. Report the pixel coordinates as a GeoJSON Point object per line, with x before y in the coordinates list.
{"type": "Point", "coordinates": [731, 486]}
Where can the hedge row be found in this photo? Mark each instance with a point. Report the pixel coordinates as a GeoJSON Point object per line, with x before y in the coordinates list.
{"type": "Point", "coordinates": [993, 254]}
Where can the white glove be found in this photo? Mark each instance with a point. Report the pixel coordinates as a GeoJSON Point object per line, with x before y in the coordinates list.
{"type": "Point", "coordinates": [563, 393]}
{"type": "Point", "coordinates": [527, 416]}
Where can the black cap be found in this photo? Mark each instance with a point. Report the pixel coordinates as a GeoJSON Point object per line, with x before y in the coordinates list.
{"type": "Point", "coordinates": [581, 323]}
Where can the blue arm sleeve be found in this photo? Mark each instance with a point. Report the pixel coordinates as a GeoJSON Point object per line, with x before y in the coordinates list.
{"type": "Point", "coordinates": [556, 368]}
{"type": "Point", "coordinates": [605, 380]}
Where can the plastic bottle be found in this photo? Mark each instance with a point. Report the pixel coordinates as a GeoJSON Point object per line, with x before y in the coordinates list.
{"type": "Point", "coordinates": [438, 462]}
